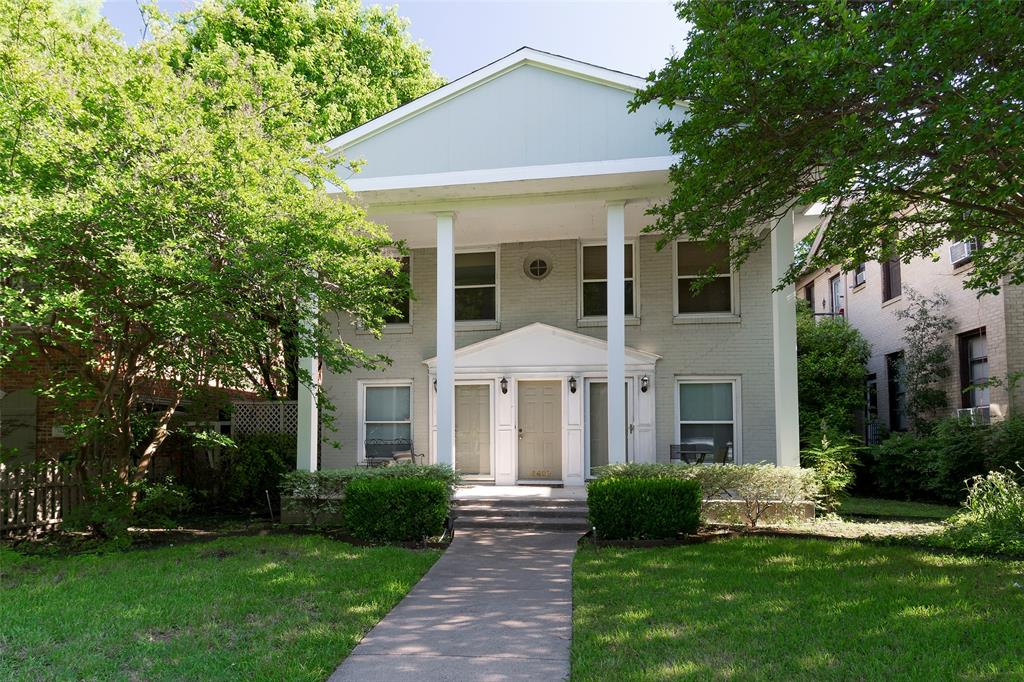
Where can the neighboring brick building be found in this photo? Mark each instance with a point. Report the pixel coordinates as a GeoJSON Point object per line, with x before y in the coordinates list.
{"type": "Point", "coordinates": [987, 339]}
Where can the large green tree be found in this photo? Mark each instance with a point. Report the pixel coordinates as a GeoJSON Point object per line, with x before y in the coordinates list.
{"type": "Point", "coordinates": [156, 217]}
{"type": "Point", "coordinates": [348, 63]}
{"type": "Point", "coordinates": [904, 119]}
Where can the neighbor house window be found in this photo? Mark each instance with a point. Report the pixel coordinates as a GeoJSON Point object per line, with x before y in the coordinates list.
{"type": "Point", "coordinates": [860, 275]}
{"type": "Point", "coordinates": [809, 294]}
{"type": "Point", "coordinates": [476, 286]}
{"type": "Point", "coordinates": [871, 409]}
{"type": "Point", "coordinates": [894, 369]}
{"type": "Point", "coordinates": [892, 284]}
{"type": "Point", "coordinates": [973, 368]}
{"type": "Point", "coordinates": [594, 280]}
{"type": "Point", "coordinates": [386, 418]}
{"type": "Point", "coordinates": [962, 252]}
{"type": "Point", "coordinates": [708, 422]}
{"type": "Point", "coordinates": [695, 260]}
{"type": "Point", "coordinates": [402, 317]}
{"type": "Point", "coordinates": [835, 286]}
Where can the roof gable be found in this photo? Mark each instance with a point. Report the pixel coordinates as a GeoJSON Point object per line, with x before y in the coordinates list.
{"type": "Point", "coordinates": [539, 346]}
{"type": "Point", "coordinates": [528, 109]}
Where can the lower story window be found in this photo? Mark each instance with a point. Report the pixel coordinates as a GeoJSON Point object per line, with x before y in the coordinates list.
{"type": "Point", "coordinates": [974, 368]}
{"type": "Point", "coordinates": [387, 419]}
{"type": "Point", "coordinates": [708, 419]}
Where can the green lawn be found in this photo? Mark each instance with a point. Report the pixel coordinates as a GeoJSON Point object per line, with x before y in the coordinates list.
{"type": "Point", "coordinates": [789, 609]}
{"type": "Point", "coordinates": [871, 506]}
{"type": "Point", "coordinates": [242, 608]}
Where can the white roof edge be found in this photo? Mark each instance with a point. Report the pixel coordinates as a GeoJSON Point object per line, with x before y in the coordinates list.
{"type": "Point", "coordinates": [540, 326]}
{"type": "Point", "coordinates": [521, 57]}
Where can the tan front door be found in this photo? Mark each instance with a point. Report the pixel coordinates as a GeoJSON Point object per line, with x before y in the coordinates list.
{"type": "Point", "coordinates": [473, 429]}
{"type": "Point", "coordinates": [540, 431]}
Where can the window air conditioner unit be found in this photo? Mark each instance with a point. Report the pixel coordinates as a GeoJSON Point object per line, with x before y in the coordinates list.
{"type": "Point", "coordinates": [962, 252]}
{"type": "Point", "coordinates": [977, 415]}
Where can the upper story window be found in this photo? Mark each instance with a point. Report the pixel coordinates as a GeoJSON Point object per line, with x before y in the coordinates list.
{"type": "Point", "coordinates": [594, 280]}
{"type": "Point", "coordinates": [476, 286]}
{"type": "Point", "coordinates": [693, 260]}
{"type": "Point", "coordinates": [403, 304]}
{"type": "Point", "coordinates": [962, 252]}
{"type": "Point", "coordinates": [860, 275]}
{"type": "Point", "coordinates": [897, 393]}
{"type": "Point", "coordinates": [892, 283]}
{"type": "Point", "coordinates": [973, 349]}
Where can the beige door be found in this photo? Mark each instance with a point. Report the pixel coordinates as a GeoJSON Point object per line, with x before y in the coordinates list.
{"type": "Point", "coordinates": [540, 431]}
{"type": "Point", "coordinates": [473, 429]}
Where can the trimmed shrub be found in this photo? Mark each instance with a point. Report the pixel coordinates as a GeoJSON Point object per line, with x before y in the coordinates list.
{"type": "Point", "coordinates": [761, 488]}
{"type": "Point", "coordinates": [643, 507]}
{"type": "Point", "coordinates": [319, 494]}
{"type": "Point", "coordinates": [395, 509]}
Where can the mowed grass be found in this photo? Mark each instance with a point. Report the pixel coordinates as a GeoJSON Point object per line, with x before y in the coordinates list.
{"type": "Point", "coordinates": [242, 608]}
{"type": "Point", "coordinates": [872, 506]}
{"type": "Point", "coordinates": [790, 609]}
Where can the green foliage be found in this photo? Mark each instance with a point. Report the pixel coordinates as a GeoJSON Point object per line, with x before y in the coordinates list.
{"type": "Point", "coordinates": [831, 358]}
{"type": "Point", "coordinates": [902, 118]}
{"type": "Point", "coordinates": [165, 220]}
{"type": "Point", "coordinates": [937, 466]}
{"type": "Point", "coordinates": [832, 458]}
{"type": "Point", "coordinates": [111, 505]}
{"type": "Point", "coordinates": [637, 508]}
{"type": "Point", "coordinates": [257, 465]}
{"type": "Point", "coordinates": [926, 356]}
{"type": "Point", "coordinates": [320, 493]}
{"type": "Point", "coordinates": [353, 63]}
{"type": "Point", "coordinates": [395, 509]}
{"type": "Point", "coordinates": [992, 519]}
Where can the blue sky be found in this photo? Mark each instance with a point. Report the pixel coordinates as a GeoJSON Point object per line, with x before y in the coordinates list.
{"type": "Point", "coordinates": [634, 36]}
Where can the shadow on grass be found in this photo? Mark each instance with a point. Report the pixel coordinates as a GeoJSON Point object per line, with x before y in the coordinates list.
{"type": "Point", "coordinates": [774, 608]}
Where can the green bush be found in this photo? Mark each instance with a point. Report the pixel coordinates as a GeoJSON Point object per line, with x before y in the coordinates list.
{"type": "Point", "coordinates": [936, 467]}
{"type": "Point", "coordinates": [106, 510]}
{"type": "Point", "coordinates": [833, 458]}
{"type": "Point", "coordinates": [992, 519]}
{"type": "Point", "coordinates": [643, 507]}
{"type": "Point", "coordinates": [320, 493]}
{"type": "Point", "coordinates": [760, 488]}
{"type": "Point", "coordinates": [255, 466]}
{"type": "Point", "coordinates": [395, 509]}
{"type": "Point", "coordinates": [161, 504]}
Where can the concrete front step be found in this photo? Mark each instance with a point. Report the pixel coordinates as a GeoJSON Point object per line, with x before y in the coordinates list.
{"type": "Point", "coordinates": [469, 511]}
{"type": "Point", "coordinates": [563, 523]}
{"type": "Point", "coordinates": [519, 502]}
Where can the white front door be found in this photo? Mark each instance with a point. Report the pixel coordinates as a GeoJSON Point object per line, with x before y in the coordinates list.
{"type": "Point", "coordinates": [540, 431]}
{"type": "Point", "coordinates": [473, 430]}
{"type": "Point", "coordinates": [596, 415]}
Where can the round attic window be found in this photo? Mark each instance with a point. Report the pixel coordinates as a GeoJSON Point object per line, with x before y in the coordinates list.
{"type": "Point", "coordinates": [536, 267]}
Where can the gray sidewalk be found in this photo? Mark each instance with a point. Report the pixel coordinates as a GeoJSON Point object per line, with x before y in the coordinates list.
{"type": "Point", "coordinates": [496, 606]}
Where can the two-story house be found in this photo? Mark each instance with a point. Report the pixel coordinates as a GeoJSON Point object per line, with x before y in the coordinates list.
{"type": "Point", "coordinates": [986, 342]}
{"type": "Point", "coordinates": [542, 311]}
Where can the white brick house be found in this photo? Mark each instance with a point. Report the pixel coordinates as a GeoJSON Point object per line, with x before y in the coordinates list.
{"type": "Point", "coordinates": [542, 313]}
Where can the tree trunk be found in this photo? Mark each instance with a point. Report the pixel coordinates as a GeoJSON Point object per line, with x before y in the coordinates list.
{"type": "Point", "coordinates": [159, 436]}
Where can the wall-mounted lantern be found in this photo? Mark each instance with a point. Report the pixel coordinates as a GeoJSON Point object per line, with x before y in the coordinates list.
{"type": "Point", "coordinates": [572, 384]}
{"type": "Point", "coordinates": [504, 385]}
{"type": "Point", "coordinates": [645, 383]}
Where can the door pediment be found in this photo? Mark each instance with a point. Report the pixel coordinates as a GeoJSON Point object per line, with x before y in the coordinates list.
{"type": "Point", "coordinates": [542, 348]}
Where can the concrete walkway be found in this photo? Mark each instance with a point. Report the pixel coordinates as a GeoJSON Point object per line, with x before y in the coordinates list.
{"type": "Point", "coordinates": [496, 606]}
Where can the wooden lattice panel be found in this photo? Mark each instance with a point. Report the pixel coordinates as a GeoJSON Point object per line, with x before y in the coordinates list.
{"type": "Point", "coordinates": [267, 416]}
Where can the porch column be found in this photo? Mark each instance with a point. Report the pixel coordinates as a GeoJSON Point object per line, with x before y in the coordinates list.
{"type": "Point", "coordinates": [445, 339]}
{"type": "Point", "coordinates": [787, 415]}
{"type": "Point", "coordinates": [308, 427]}
{"type": "Point", "coordinates": [616, 251]}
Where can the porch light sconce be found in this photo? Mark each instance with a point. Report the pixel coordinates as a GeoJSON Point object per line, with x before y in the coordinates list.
{"type": "Point", "coordinates": [504, 385]}
{"type": "Point", "coordinates": [645, 383]}
{"type": "Point", "coordinates": [435, 385]}
{"type": "Point", "coordinates": [572, 384]}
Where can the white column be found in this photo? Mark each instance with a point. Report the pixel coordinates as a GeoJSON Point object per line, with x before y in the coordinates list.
{"type": "Point", "coordinates": [787, 412]}
{"type": "Point", "coordinates": [445, 453]}
{"type": "Point", "coordinates": [308, 428]}
{"type": "Point", "coordinates": [616, 331]}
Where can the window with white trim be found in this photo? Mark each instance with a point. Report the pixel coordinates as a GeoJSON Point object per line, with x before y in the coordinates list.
{"type": "Point", "coordinates": [476, 286]}
{"type": "Point", "coordinates": [693, 261]}
{"type": "Point", "coordinates": [386, 418]}
{"type": "Point", "coordinates": [594, 280]}
{"type": "Point", "coordinates": [708, 419]}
